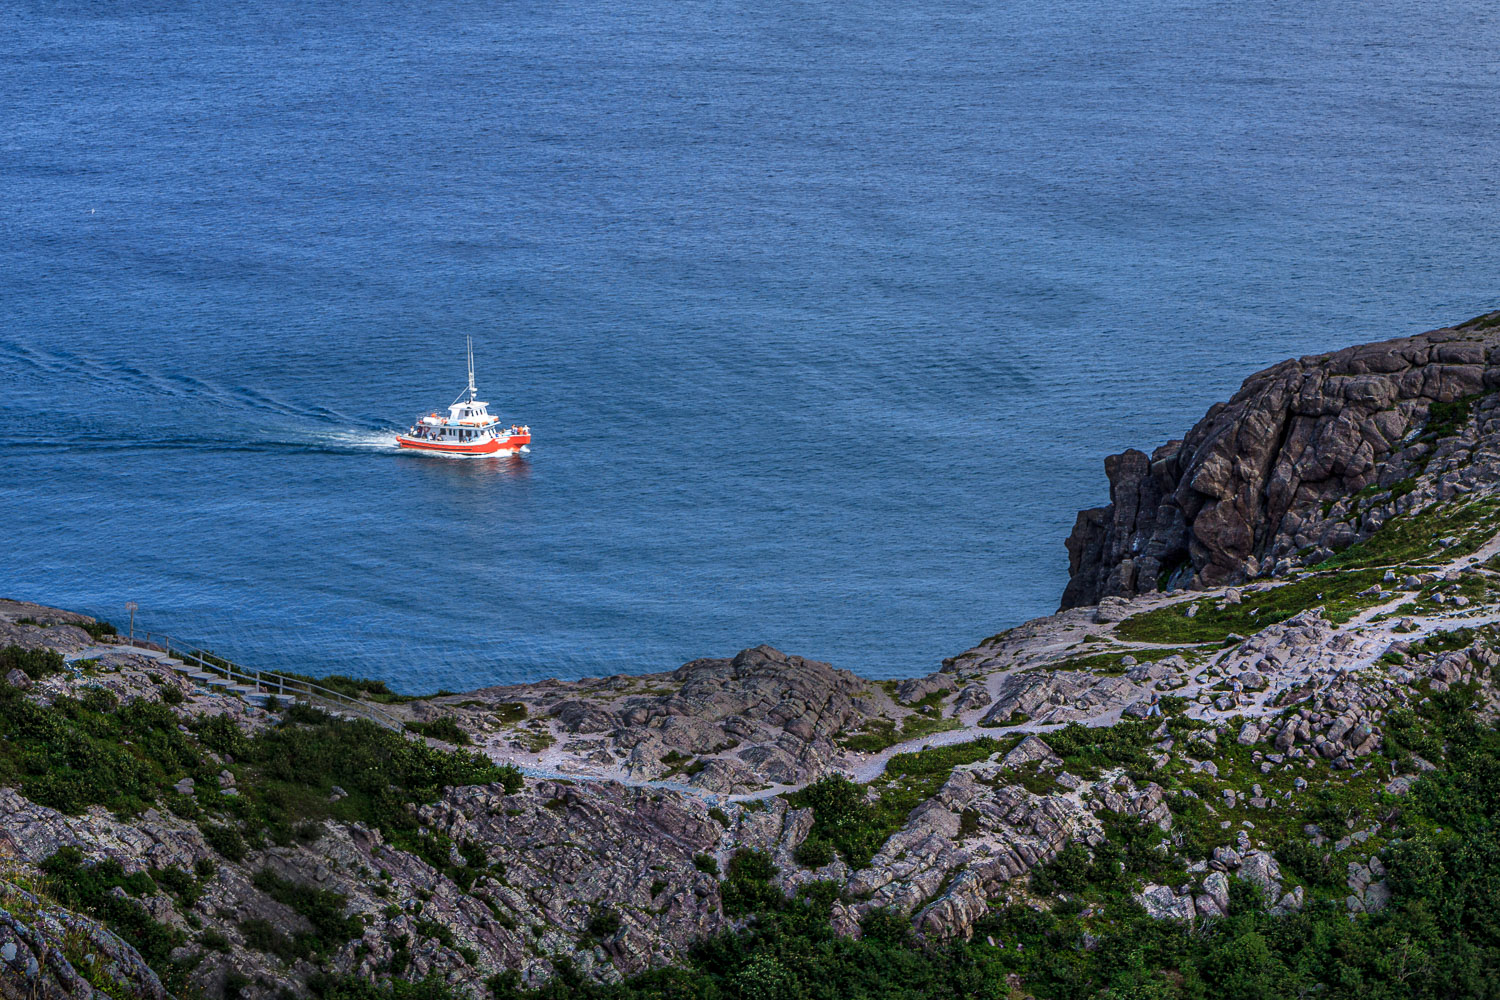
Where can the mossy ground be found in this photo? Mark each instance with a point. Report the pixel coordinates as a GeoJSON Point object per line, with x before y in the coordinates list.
{"type": "Point", "coordinates": [1215, 620]}
{"type": "Point", "coordinates": [1443, 531]}
{"type": "Point", "coordinates": [926, 718]}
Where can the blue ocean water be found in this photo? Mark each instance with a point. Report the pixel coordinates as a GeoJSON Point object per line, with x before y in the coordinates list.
{"type": "Point", "coordinates": [823, 314]}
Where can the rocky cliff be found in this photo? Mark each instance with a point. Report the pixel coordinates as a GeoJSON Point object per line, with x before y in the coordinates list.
{"type": "Point", "coordinates": [1251, 490]}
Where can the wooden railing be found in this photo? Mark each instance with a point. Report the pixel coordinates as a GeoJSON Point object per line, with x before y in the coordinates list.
{"type": "Point", "coordinates": [268, 681]}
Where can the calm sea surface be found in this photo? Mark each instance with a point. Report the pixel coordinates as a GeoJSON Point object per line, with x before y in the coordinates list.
{"type": "Point", "coordinates": [823, 313]}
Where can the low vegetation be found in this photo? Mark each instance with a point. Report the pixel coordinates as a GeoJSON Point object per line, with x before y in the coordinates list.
{"type": "Point", "coordinates": [1215, 620]}
{"type": "Point", "coordinates": [445, 729]}
{"type": "Point", "coordinates": [925, 719]}
{"type": "Point", "coordinates": [846, 822]}
{"type": "Point", "coordinates": [288, 773]}
{"type": "Point", "coordinates": [1436, 939]}
{"type": "Point", "coordinates": [1445, 530]}
{"type": "Point", "coordinates": [34, 663]}
{"type": "Point", "coordinates": [103, 890]}
{"type": "Point", "coordinates": [91, 750]}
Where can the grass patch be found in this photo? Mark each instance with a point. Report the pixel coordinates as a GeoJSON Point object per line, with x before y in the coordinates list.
{"type": "Point", "coordinates": [1015, 719]}
{"type": "Point", "coordinates": [1335, 593]}
{"type": "Point", "coordinates": [1416, 537]}
{"type": "Point", "coordinates": [508, 712]}
{"type": "Point", "coordinates": [879, 734]}
{"type": "Point", "coordinates": [535, 740]}
{"type": "Point", "coordinates": [1447, 419]}
{"type": "Point", "coordinates": [1442, 642]}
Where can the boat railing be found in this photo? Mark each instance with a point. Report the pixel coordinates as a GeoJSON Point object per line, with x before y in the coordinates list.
{"type": "Point", "coordinates": [267, 681]}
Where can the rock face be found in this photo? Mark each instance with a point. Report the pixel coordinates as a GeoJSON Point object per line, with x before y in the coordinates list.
{"type": "Point", "coordinates": [1061, 696]}
{"type": "Point", "coordinates": [980, 832]}
{"type": "Point", "coordinates": [1251, 484]}
{"type": "Point", "coordinates": [762, 717]}
{"type": "Point", "coordinates": [40, 944]}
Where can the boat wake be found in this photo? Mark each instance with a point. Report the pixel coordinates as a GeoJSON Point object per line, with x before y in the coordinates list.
{"type": "Point", "coordinates": [356, 440]}
{"type": "Point", "coordinates": [337, 442]}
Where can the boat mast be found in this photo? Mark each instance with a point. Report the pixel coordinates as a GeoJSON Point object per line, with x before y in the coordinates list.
{"type": "Point", "coordinates": [473, 392]}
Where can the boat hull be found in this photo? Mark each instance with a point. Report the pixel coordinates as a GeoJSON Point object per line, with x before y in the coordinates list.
{"type": "Point", "coordinates": [493, 446]}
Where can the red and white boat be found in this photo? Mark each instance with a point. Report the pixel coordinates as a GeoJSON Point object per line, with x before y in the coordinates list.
{"type": "Point", "coordinates": [468, 429]}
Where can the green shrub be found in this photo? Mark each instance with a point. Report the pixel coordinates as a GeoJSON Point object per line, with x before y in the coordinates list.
{"type": "Point", "coordinates": [440, 933]}
{"type": "Point", "coordinates": [445, 729]}
{"type": "Point", "coordinates": [226, 840]}
{"type": "Point", "coordinates": [34, 663]}
{"type": "Point", "coordinates": [1086, 750]}
{"type": "Point", "coordinates": [321, 908]}
{"type": "Point", "coordinates": [181, 884]}
{"type": "Point", "coordinates": [98, 699]}
{"type": "Point", "coordinates": [89, 888]}
{"type": "Point", "coordinates": [261, 935]}
{"type": "Point", "coordinates": [843, 818]}
{"type": "Point", "coordinates": [706, 863]}
{"type": "Point", "coordinates": [1447, 419]}
{"type": "Point", "coordinates": [857, 828]}
{"type": "Point", "coordinates": [214, 940]}
{"type": "Point", "coordinates": [325, 987]}
{"type": "Point", "coordinates": [886, 927]}
{"type": "Point", "coordinates": [78, 753]}
{"type": "Point", "coordinates": [604, 924]}
{"type": "Point", "coordinates": [814, 852]}
{"type": "Point", "coordinates": [99, 629]}
{"type": "Point", "coordinates": [748, 884]}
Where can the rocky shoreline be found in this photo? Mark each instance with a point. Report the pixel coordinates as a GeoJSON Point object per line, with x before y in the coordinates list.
{"type": "Point", "coordinates": [1318, 556]}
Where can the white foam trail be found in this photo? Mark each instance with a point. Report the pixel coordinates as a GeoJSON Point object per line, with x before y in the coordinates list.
{"type": "Point", "coordinates": [353, 438]}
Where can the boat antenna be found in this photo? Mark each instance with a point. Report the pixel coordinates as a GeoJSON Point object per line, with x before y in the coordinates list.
{"type": "Point", "coordinates": [473, 392]}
